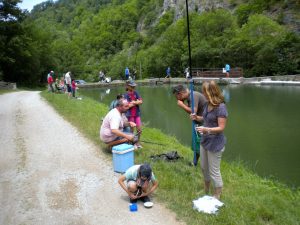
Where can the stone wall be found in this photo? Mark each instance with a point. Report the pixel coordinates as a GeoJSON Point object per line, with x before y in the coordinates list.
{"type": "Point", "coordinates": [7, 85]}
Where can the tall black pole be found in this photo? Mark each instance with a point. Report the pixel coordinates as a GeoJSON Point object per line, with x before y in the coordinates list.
{"type": "Point", "coordinates": [194, 139]}
{"type": "Point", "coordinates": [189, 39]}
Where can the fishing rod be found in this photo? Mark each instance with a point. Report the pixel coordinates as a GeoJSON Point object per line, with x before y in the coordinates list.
{"type": "Point", "coordinates": [154, 143]}
{"type": "Point", "coordinates": [149, 142]}
{"type": "Point", "coordinates": [191, 82]}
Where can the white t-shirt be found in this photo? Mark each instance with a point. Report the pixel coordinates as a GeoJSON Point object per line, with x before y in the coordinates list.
{"type": "Point", "coordinates": [68, 78]}
{"type": "Point", "coordinates": [113, 120]}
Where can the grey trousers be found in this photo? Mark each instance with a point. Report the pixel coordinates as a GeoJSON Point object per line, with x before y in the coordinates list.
{"type": "Point", "coordinates": [210, 166]}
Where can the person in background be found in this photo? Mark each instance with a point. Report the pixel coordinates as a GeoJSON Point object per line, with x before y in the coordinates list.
{"type": "Point", "coordinates": [50, 81]}
{"type": "Point", "coordinates": [182, 95]}
{"type": "Point", "coordinates": [111, 130]}
{"type": "Point", "coordinates": [140, 182]}
{"type": "Point", "coordinates": [62, 84]}
{"type": "Point", "coordinates": [134, 113]}
{"type": "Point", "coordinates": [187, 73]}
{"type": "Point", "coordinates": [168, 72]}
{"type": "Point", "coordinates": [213, 140]}
{"type": "Point", "coordinates": [127, 73]}
{"type": "Point", "coordinates": [134, 74]}
{"type": "Point", "coordinates": [68, 83]}
{"type": "Point", "coordinates": [101, 76]}
{"type": "Point", "coordinates": [58, 88]}
{"type": "Point", "coordinates": [73, 88]}
{"type": "Point", "coordinates": [227, 68]}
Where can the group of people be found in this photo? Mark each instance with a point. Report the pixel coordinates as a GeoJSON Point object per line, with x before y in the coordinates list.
{"type": "Point", "coordinates": [210, 116]}
{"type": "Point", "coordinates": [124, 113]}
{"type": "Point", "coordinates": [226, 70]}
{"type": "Point", "coordinates": [63, 85]}
{"type": "Point", "coordinates": [129, 75]}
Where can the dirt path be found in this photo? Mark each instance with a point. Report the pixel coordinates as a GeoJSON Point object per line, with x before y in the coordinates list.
{"type": "Point", "coordinates": [51, 174]}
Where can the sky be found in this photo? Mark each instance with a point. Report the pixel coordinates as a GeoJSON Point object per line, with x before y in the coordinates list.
{"type": "Point", "coordinates": [28, 4]}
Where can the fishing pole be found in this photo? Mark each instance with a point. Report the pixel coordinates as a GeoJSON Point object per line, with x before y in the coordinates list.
{"type": "Point", "coordinates": [191, 82]}
{"type": "Point", "coordinates": [150, 142]}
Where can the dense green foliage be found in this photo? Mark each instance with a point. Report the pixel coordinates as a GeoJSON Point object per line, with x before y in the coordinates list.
{"type": "Point", "coordinates": [86, 36]}
{"type": "Point", "coordinates": [25, 51]}
{"type": "Point", "coordinates": [248, 198]}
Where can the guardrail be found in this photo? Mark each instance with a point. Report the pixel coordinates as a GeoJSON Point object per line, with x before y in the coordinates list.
{"type": "Point", "coordinates": [217, 72]}
{"type": "Point", "coordinates": [7, 85]}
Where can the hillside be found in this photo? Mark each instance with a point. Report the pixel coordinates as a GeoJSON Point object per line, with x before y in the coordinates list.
{"type": "Point", "coordinates": [86, 36]}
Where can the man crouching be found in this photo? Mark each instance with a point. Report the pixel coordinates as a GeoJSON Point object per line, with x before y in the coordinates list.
{"type": "Point", "coordinates": [141, 182]}
{"type": "Point", "coordinates": [111, 131]}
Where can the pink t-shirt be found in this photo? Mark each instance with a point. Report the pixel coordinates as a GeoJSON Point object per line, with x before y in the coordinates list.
{"type": "Point", "coordinates": [73, 84]}
{"type": "Point", "coordinates": [113, 120]}
{"type": "Point", "coordinates": [134, 108]}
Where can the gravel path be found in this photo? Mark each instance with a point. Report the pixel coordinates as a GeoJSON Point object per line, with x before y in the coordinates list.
{"type": "Point", "coordinates": [51, 174]}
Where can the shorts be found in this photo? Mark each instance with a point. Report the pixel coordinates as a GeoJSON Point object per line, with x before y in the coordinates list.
{"type": "Point", "coordinates": [69, 88]}
{"type": "Point", "coordinates": [136, 120]}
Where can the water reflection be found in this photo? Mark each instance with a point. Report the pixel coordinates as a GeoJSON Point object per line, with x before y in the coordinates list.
{"type": "Point", "coordinates": [262, 128]}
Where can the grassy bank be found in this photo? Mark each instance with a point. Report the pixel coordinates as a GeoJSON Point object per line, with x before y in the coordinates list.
{"type": "Point", "coordinates": [4, 91]}
{"type": "Point", "coordinates": [248, 198]}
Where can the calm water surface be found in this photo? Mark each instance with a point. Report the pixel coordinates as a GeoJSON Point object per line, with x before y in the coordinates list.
{"type": "Point", "coordinates": [262, 130]}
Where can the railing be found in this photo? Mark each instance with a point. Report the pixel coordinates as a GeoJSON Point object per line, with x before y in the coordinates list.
{"type": "Point", "coordinates": [216, 72]}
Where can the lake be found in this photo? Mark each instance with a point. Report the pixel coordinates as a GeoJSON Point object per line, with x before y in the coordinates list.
{"type": "Point", "coordinates": [262, 130]}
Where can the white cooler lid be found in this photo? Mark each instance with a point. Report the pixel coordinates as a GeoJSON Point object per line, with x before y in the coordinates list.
{"type": "Point", "coordinates": [122, 148]}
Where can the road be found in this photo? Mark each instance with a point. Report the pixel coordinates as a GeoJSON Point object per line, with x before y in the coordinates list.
{"type": "Point", "coordinates": [51, 174]}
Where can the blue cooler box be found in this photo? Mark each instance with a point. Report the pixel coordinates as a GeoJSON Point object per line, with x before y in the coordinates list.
{"type": "Point", "coordinates": [123, 157]}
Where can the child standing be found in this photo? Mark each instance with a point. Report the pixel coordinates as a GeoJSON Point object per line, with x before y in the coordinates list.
{"type": "Point", "coordinates": [73, 88]}
{"type": "Point", "coordinates": [134, 114]}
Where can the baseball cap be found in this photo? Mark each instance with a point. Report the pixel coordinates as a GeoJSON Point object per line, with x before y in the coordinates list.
{"type": "Point", "coordinates": [131, 83]}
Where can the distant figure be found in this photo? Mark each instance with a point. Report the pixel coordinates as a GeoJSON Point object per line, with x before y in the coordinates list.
{"type": "Point", "coordinates": [68, 83]}
{"type": "Point", "coordinates": [140, 182]}
{"type": "Point", "coordinates": [187, 73]}
{"type": "Point", "coordinates": [50, 81]}
{"type": "Point", "coordinates": [73, 88]}
{"type": "Point", "coordinates": [134, 73]}
{"type": "Point", "coordinates": [101, 76]}
{"type": "Point", "coordinates": [227, 69]}
{"type": "Point", "coordinates": [168, 72]}
{"type": "Point", "coordinates": [127, 73]}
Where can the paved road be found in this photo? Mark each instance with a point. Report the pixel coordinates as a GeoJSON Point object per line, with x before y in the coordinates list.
{"type": "Point", "coordinates": [51, 174]}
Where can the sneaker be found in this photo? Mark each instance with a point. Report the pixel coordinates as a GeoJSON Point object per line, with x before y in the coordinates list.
{"type": "Point", "coordinates": [135, 147]}
{"type": "Point", "coordinates": [139, 146]}
{"type": "Point", "coordinates": [145, 199]}
{"type": "Point", "coordinates": [133, 200]}
{"type": "Point", "coordinates": [192, 164]}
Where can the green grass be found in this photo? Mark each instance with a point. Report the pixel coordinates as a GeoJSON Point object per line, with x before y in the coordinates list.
{"type": "Point", "coordinates": [4, 91]}
{"type": "Point", "coordinates": [248, 198]}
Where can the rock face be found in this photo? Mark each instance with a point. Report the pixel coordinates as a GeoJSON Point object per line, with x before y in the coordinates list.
{"type": "Point", "coordinates": [288, 12]}
{"type": "Point", "coordinates": [194, 6]}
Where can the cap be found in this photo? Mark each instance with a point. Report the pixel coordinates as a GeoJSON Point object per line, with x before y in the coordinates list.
{"type": "Point", "coordinates": [131, 83]}
{"type": "Point", "coordinates": [51, 71]}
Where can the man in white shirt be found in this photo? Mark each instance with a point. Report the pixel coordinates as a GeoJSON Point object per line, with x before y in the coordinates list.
{"type": "Point", "coordinates": [111, 131]}
{"type": "Point", "coordinates": [68, 83]}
